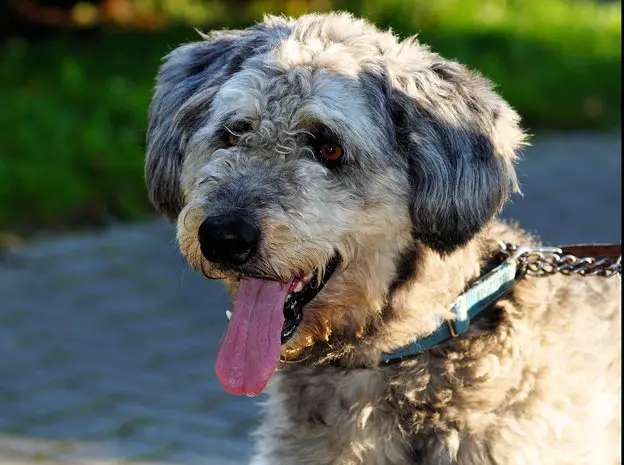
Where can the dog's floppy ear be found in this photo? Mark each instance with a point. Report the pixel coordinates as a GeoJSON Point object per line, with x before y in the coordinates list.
{"type": "Point", "coordinates": [191, 68]}
{"type": "Point", "coordinates": [460, 140]}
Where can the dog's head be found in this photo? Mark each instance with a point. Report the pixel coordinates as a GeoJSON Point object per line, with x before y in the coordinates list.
{"type": "Point", "coordinates": [319, 154]}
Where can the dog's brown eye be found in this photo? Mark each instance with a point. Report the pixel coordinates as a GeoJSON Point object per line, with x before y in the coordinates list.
{"type": "Point", "coordinates": [231, 140]}
{"type": "Point", "coordinates": [331, 152]}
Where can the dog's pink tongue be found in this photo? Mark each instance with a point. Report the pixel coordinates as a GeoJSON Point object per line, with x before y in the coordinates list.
{"type": "Point", "coordinates": [250, 347]}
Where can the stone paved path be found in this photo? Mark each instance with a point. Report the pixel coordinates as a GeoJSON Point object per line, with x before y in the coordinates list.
{"type": "Point", "coordinates": [107, 340]}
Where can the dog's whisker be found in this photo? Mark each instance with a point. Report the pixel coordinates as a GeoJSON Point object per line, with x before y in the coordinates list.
{"type": "Point", "coordinates": [286, 361]}
{"type": "Point", "coordinates": [184, 218]}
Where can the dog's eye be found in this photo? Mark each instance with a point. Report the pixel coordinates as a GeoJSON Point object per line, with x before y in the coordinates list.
{"type": "Point", "coordinates": [233, 131]}
{"type": "Point", "coordinates": [229, 139]}
{"type": "Point", "coordinates": [331, 152]}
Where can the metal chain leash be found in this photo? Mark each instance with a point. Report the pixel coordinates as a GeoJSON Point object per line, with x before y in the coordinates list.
{"type": "Point", "coordinates": [544, 261]}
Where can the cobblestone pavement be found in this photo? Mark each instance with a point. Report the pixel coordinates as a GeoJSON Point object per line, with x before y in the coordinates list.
{"type": "Point", "coordinates": [107, 340]}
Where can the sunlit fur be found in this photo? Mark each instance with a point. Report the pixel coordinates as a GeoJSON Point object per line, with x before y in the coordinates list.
{"type": "Point", "coordinates": [429, 161]}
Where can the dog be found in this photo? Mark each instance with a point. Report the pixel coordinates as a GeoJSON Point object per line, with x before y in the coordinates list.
{"type": "Point", "coordinates": [345, 186]}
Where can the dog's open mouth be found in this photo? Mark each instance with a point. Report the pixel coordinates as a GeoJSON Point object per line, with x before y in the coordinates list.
{"type": "Point", "coordinates": [300, 293]}
{"type": "Point", "coordinates": [265, 315]}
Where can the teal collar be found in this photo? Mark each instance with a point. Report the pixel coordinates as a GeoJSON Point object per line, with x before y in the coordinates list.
{"type": "Point", "coordinates": [484, 292]}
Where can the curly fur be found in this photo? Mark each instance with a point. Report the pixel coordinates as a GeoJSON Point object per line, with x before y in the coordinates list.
{"type": "Point", "coordinates": [536, 381]}
{"type": "Point", "coordinates": [429, 161]}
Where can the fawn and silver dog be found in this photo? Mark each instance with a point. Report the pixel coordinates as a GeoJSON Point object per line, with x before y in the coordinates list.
{"type": "Point", "coordinates": [344, 185]}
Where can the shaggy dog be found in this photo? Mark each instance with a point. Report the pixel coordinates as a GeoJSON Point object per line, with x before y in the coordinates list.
{"type": "Point", "coordinates": [344, 185]}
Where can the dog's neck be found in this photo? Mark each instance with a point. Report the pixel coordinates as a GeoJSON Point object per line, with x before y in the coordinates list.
{"type": "Point", "coordinates": [438, 279]}
{"type": "Point", "coordinates": [427, 276]}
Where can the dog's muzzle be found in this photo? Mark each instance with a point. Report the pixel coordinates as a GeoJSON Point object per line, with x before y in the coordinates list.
{"type": "Point", "coordinates": [266, 312]}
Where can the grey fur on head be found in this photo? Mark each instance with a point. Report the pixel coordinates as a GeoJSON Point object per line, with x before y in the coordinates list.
{"type": "Point", "coordinates": [444, 123]}
{"type": "Point", "coordinates": [187, 70]}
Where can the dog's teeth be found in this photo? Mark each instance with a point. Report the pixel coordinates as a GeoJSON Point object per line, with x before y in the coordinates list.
{"type": "Point", "coordinates": [228, 314]}
{"type": "Point", "coordinates": [299, 287]}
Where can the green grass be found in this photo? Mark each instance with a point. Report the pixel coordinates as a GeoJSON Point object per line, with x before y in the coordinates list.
{"type": "Point", "coordinates": [73, 112]}
{"type": "Point", "coordinates": [73, 118]}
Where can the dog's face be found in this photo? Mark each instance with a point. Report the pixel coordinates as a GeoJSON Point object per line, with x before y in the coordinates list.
{"type": "Point", "coordinates": [305, 161]}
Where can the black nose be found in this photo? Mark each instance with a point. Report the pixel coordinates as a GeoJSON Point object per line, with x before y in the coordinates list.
{"type": "Point", "coordinates": [228, 239]}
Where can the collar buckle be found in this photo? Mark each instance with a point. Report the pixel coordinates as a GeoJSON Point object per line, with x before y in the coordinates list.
{"type": "Point", "coordinates": [451, 327]}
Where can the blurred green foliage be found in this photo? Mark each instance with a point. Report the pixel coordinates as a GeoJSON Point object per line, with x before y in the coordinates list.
{"type": "Point", "coordinates": [557, 62]}
{"type": "Point", "coordinates": [73, 112]}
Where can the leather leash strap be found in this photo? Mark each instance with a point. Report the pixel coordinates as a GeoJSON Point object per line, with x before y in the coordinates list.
{"type": "Point", "coordinates": [593, 250]}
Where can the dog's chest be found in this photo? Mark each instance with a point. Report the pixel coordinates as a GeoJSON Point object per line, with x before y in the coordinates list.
{"type": "Point", "coordinates": [338, 417]}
